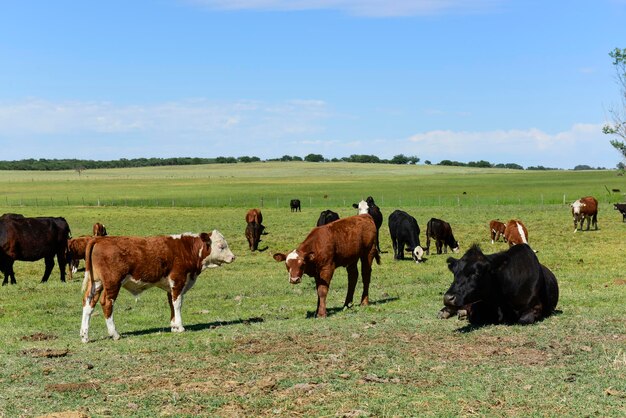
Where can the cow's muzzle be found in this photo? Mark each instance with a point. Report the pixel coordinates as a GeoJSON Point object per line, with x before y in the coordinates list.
{"type": "Point", "coordinates": [295, 280]}
{"type": "Point", "coordinates": [449, 299]}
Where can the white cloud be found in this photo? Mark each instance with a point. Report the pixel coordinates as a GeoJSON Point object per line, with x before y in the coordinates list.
{"type": "Point", "coordinates": [370, 8]}
{"type": "Point", "coordinates": [581, 144]}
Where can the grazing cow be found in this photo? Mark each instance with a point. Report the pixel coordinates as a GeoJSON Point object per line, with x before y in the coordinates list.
{"type": "Point", "coordinates": [171, 263]}
{"type": "Point", "coordinates": [368, 206]}
{"type": "Point", "coordinates": [496, 229]}
{"type": "Point", "coordinates": [295, 205]}
{"type": "Point", "coordinates": [515, 232]}
{"type": "Point", "coordinates": [31, 239]}
{"type": "Point", "coordinates": [254, 228]}
{"type": "Point", "coordinates": [441, 232]}
{"type": "Point", "coordinates": [585, 208]}
{"type": "Point", "coordinates": [405, 233]}
{"type": "Point", "coordinates": [338, 244]}
{"type": "Point", "coordinates": [327, 216]}
{"type": "Point", "coordinates": [621, 207]}
{"type": "Point", "coordinates": [509, 287]}
{"type": "Point", "coordinates": [99, 230]}
{"type": "Point", "coordinates": [76, 248]}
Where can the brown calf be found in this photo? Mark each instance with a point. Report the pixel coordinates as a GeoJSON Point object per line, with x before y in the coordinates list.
{"type": "Point", "coordinates": [76, 248]}
{"type": "Point", "coordinates": [338, 244]}
{"type": "Point", "coordinates": [496, 229]}
{"type": "Point", "coordinates": [585, 208]}
{"type": "Point", "coordinates": [254, 228]}
{"type": "Point", "coordinates": [171, 263]}
{"type": "Point", "coordinates": [99, 230]}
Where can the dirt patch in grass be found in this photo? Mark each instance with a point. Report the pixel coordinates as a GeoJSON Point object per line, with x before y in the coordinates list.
{"type": "Point", "coordinates": [72, 387]}
{"type": "Point", "coordinates": [39, 336]}
{"type": "Point", "coordinates": [65, 414]}
{"type": "Point", "coordinates": [45, 352]}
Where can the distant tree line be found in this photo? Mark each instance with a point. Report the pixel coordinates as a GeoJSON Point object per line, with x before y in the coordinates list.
{"type": "Point", "coordinates": [78, 165]}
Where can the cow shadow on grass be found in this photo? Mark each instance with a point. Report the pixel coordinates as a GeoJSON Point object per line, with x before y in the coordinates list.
{"type": "Point", "coordinates": [197, 327]}
{"type": "Point", "coordinates": [337, 309]}
{"type": "Point", "coordinates": [474, 327]}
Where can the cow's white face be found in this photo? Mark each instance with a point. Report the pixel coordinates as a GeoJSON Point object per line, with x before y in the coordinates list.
{"type": "Point", "coordinates": [418, 252]}
{"type": "Point", "coordinates": [362, 207]}
{"type": "Point", "coordinates": [295, 267]}
{"type": "Point", "coordinates": [220, 253]}
{"type": "Point", "coordinates": [576, 206]}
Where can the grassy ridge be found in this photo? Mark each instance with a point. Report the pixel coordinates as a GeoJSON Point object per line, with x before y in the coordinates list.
{"type": "Point", "coordinates": [251, 348]}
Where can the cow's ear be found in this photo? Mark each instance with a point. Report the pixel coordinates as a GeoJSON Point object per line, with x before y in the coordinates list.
{"type": "Point", "coordinates": [355, 206]}
{"type": "Point", "coordinates": [280, 257]}
{"type": "Point", "coordinates": [451, 263]}
{"type": "Point", "coordinates": [205, 237]}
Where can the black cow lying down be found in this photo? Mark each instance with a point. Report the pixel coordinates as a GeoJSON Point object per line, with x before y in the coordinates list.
{"type": "Point", "coordinates": [509, 287]}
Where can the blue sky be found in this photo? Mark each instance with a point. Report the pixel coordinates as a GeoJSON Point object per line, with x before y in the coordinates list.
{"type": "Point", "coordinates": [528, 82]}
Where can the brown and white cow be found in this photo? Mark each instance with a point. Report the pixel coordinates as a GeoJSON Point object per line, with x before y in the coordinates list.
{"type": "Point", "coordinates": [341, 243]}
{"type": "Point", "coordinates": [171, 263]}
{"type": "Point", "coordinates": [99, 230]}
{"type": "Point", "coordinates": [515, 232]}
{"type": "Point", "coordinates": [585, 208]}
{"type": "Point", "coordinates": [496, 230]}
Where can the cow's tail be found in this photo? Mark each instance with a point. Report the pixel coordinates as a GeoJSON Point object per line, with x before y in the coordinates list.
{"type": "Point", "coordinates": [377, 255]}
{"type": "Point", "coordinates": [88, 266]}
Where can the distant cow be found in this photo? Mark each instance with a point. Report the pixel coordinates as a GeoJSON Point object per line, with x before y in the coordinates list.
{"type": "Point", "coordinates": [496, 230]}
{"type": "Point", "coordinates": [441, 232]}
{"type": "Point", "coordinates": [585, 208]}
{"type": "Point", "coordinates": [515, 232]}
{"type": "Point", "coordinates": [171, 263]}
{"type": "Point", "coordinates": [99, 230]}
{"type": "Point", "coordinates": [295, 205]}
{"type": "Point", "coordinates": [31, 239]}
{"type": "Point", "coordinates": [405, 234]}
{"type": "Point", "coordinates": [621, 207]}
{"type": "Point", "coordinates": [327, 216]}
{"type": "Point", "coordinates": [76, 248]}
{"type": "Point", "coordinates": [368, 206]}
{"type": "Point", "coordinates": [254, 228]}
{"type": "Point", "coordinates": [338, 244]}
{"type": "Point", "coordinates": [509, 287]}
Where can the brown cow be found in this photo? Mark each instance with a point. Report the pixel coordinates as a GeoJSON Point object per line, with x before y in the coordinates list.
{"type": "Point", "coordinates": [341, 243]}
{"type": "Point", "coordinates": [515, 232]}
{"type": "Point", "coordinates": [585, 208]}
{"type": "Point", "coordinates": [254, 228]}
{"type": "Point", "coordinates": [99, 230]}
{"type": "Point", "coordinates": [171, 263]}
{"type": "Point", "coordinates": [496, 229]}
{"type": "Point", "coordinates": [75, 252]}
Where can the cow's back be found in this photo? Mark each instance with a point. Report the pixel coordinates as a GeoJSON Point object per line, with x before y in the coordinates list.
{"type": "Point", "coordinates": [342, 241]}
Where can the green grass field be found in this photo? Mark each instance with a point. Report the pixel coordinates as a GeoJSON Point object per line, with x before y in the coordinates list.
{"type": "Point", "coordinates": [252, 347]}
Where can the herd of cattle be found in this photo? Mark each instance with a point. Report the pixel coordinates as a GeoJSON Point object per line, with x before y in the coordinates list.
{"type": "Point", "coordinates": [506, 287]}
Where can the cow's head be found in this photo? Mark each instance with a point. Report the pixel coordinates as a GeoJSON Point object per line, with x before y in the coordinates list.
{"type": "Point", "coordinates": [576, 207]}
{"type": "Point", "coordinates": [472, 279]}
{"type": "Point", "coordinates": [361, 207]}
{"type": "Point", "coordinates": [215, 250]}
{"type": "Point", "coordinates": [296, 263]}
{"type": "Point", "coordinates": [417, 254]}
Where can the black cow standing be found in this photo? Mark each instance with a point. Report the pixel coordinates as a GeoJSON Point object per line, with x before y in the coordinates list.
{"type": "Point", "coordinates": [621, 207]}
{"type": "Point", "coordinates": [295, 205]}
{"type": "Point", "coordinates": [405, 233]}
{"type": "Point", "coordinates": [441, 231]}
{"type": "Point", "coordinates": [327, 216]}
{"type": "Point", "coordinates": [31, 239]}
{"type": "Point", "coordinates": [368, 206]}
{"type": "Point", "coordinates": [509, 287]}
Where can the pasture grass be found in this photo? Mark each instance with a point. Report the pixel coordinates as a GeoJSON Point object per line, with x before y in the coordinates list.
{"type": "Point", "coordinates": [252, 346]}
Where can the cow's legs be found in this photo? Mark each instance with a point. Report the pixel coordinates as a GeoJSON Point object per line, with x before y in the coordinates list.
{"type": "Point", "coordinates": [176, 320]}
{"type": "Point", "coordinates": [366, 275]}
{"type": "Point", "coordinates": [62, 261]}
{"type": "Point", "coordinates": [108, 299]}
{"type": "Point", "coordinates": [49, 266]}
{"type": "Point", "coordinates": [532, 315]}
{"type": "Point", "coordinates": [322, 290]}
{"type": "Point", "coordinates": [353, 275]}
{"type": "Point", "coordinates": [427, 244]}
{"type": "Point", "coordinates": [438, 244]}
{"type": "Point", "coordinates": [92, 294]}
{"type": "Point", "coordinates": [8, 272]}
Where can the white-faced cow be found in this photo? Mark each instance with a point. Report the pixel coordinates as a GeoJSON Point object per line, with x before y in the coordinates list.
{"type": "Point", "coordinates": [405, 234]}
{"type": "Point", "coordinates": [621, 207]}
{"type": "Point", "coordinates": [369, 206]}
{"type": "Point", "coordinates": [338, 244]}
{"type": "Point", "coordinates": [295, 205]}
{"type": "Point", "coordinates": [585, 208]}
{"type": "Point", "coordinates": [441, 232]}
{"type": "Point", "coordinates": [254, 228]}
{"type": "Point", "coordinates": [496, 230]}
{"type": "Point", "coordinates": [99, 230]}
{"type": "Point", "coordinates": [509, 287]}
{"type": "Point", "coordinates": [327, 216]}
{"type": "Point", "coordinates": [31, 239]}
{"type": "Point", "coordinates": [515, 232]}
{"type": "Point", "coordinates": [172, 263]}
